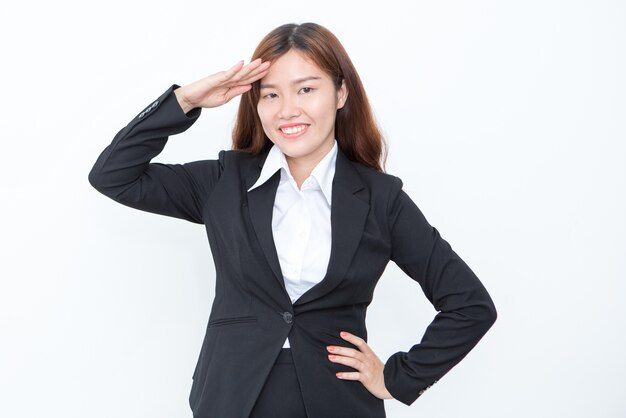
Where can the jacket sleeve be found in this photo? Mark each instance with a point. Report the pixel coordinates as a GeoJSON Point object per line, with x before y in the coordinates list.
{"type": "Point", "coordinates": [465, 309]}
{"type": "Point", "coordinates": [124, 173]}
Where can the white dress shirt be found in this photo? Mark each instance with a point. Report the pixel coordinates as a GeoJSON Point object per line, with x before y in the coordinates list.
{"type": "Point", "coordinates": [301, 221]}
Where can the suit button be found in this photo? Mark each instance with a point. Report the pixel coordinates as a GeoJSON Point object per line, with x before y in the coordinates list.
{"type": "Point", "coordinates": [142, 114]}
{"type": "Point", "coordinates": [288, 317]}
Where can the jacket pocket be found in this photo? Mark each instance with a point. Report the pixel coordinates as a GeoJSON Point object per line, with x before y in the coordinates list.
{"type": "Point", "coordinates": [336, 336]}
{"type": "Point", "coordinates": [232, 320]}
{"type": "Point", "coordinates": [338, 340]}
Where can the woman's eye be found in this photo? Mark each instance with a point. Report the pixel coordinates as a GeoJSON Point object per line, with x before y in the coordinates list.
{"type": "Point", "coordinates": [273, 95]}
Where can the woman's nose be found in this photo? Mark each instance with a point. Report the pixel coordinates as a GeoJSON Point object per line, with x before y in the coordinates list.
{"type": "Point", "coordinates": [288, 109]}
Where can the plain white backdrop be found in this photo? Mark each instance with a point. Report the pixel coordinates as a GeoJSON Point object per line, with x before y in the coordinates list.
{"type": "Point", "coordinates": [505, 120]}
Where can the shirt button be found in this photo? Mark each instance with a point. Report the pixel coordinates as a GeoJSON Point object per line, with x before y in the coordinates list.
{"type": "Point", "coordinates": [288, 317]}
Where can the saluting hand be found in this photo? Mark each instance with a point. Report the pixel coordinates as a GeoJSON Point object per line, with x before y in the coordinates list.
{"type": "Point", "coordinates": [369, 366]}
{"type": "Point", "coordinates": [219, 88]}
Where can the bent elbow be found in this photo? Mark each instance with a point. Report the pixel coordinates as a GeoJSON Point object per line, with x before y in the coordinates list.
{"type": "Point", "coordinates": [102, 183]}
{"type": "Point", "coordinates": [489, 314]}
{"type": "Point", "coordinates": [98, 181]}
{"type": "Point", "coordinates": [94, 179]}
{"type": "Point", "coordinates": [483, 314]}
{"type": "Point", "coordinates": [492, 314]}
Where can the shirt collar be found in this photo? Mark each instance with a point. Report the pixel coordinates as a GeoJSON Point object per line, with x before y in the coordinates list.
{"type": "Point", "coordinates": [323, 172]}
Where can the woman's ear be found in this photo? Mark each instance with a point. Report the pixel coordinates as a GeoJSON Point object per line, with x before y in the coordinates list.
{"type": "Point", "coordinates": [342, 95]}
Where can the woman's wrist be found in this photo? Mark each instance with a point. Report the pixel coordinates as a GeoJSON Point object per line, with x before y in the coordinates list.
{"type": "Point", "coordinates": [182, 101]}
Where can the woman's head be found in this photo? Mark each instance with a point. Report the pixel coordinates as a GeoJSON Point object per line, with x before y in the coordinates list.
{"type": "Point", "coordinates": [331, 105]}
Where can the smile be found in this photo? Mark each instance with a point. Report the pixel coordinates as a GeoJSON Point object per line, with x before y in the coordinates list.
{"type": "Point", "coordinates": [293, 131]}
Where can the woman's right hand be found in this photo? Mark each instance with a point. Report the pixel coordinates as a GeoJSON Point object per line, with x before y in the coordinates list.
{"type": "Point", "coordinates": [219, 88]}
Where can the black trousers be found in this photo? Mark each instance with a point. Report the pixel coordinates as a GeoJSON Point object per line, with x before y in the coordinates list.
{"type": "Point", "coordinates": [281, 396]}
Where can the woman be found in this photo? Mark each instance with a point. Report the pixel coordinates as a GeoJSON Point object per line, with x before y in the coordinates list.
{"type": "Point", "coordinates": [301, 221]}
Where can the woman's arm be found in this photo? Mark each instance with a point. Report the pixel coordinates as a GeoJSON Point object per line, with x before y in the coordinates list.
{"type": "Point", "coordinates": [123, 170]}
{"type": "Point", "coordinates": [124, 173]}
{"type": "Point", "coordinates": [466, 311]}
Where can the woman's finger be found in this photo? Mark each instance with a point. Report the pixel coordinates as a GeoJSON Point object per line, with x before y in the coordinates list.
{"type": "Point", "coordinates": [252, 77]}
{"type": "Point", "coordinates": [264, 67]}
{"type": "Point", "coordinates": [356, 340]}
{"type": "Point", "coordinates": [247, 81]}
{"type": "Point", "coordinates": [260, 72]}
{"type": "Point", "coordinates": [236, 91]}
{"type": "Point", "coordinates": [248, 69]}
{"type": "Point", "coordinates": [228, 74]}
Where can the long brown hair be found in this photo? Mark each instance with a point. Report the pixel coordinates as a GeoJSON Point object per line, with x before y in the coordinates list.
{"type": "Point", "coordinates": [356, 130]}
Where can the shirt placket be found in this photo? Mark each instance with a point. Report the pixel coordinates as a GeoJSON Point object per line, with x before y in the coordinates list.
{"type": "Point", "coordinates": [301, 236]}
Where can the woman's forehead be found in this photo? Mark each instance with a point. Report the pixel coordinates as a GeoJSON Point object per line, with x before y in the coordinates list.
{"type": "Point", "coordinates": [294, 82]}
{"type": "Point", "coordinates": [292, 68]}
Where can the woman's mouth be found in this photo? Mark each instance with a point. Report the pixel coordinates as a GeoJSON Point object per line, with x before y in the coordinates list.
{"type": "Point", "coordinates": [294, 131]}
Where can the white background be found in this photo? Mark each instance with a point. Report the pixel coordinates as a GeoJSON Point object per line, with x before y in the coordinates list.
{"type": "Point", "coordinates": [505, 120]}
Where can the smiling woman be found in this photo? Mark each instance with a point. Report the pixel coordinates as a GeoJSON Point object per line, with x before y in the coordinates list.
{"type": "Point", "coordinates": [298, 112]}
{"type": "Point", "coordinates": [302, 221]}
{"type": "Point", "coordinates": [307, 85]}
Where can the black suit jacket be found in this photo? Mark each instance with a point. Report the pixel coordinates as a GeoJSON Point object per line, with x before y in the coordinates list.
{"type": "Point", "coordinates": [373, 221]}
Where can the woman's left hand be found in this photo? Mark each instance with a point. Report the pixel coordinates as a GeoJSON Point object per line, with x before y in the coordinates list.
{"type": "Point", "coordinates": [369, 366]}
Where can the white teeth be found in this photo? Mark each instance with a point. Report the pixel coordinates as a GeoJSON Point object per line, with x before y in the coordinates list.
{"type": "Point", "coordinates": [293, 129]}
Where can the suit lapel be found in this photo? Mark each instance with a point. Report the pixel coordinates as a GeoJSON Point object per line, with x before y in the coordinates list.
{"type": "Point", "coordinates": [349, 209]}
{"type": "Point", "coordinates": [261, 206]}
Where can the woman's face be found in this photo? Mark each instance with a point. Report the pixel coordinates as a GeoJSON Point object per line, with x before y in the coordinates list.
{"type": "Point", "coordinates": [297, 106]}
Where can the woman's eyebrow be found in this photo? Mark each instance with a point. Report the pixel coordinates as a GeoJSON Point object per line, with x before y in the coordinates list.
{"type": "Point", "coordinates": [296, 81]}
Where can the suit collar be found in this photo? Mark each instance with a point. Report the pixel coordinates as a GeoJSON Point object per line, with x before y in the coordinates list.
{"type": "Point", "coordinates": [349, 209]}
